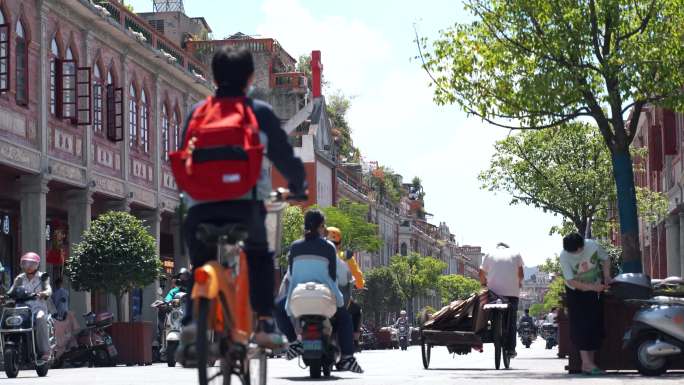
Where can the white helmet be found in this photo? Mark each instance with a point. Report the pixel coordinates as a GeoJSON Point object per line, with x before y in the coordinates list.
{"type": "Point", "coordinates": [403, 312]}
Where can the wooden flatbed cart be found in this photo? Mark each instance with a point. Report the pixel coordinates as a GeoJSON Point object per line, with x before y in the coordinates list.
{"type": "Point", "coordinates": [465, 325]}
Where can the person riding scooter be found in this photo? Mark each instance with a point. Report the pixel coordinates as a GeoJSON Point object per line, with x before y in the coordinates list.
{"type": "Point", "coordinates": [31, 281]}
{"type": "Point", "coordinates": [304, 265]}
{"type": "Point", "coordinates": [402, 319]}
{"type": "Point", "coordinates": [349, 265]}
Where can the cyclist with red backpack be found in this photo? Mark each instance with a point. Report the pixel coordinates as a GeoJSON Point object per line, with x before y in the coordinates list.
{"type": "Point", "coordinates": [224, 178]}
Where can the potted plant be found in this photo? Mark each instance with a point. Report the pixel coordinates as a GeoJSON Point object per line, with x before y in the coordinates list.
{"type": "Point", "coordinates": [118, 254]}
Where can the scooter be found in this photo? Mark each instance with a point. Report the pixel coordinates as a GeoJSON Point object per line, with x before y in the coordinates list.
{"type": "Point", "coordinates": [657, 334]}
{"type": "Point", "coordinates": [169, 334]}
{"type": "Point", "coordinates": [550, 334]}
{"type": "Point", "coordinates": [403, 334]}
{"type": "Point", "coordinates": [18, 335]}
{"type": "Point", "coordinates": [313, 305]}
{"type": "Point", "coordinates": [95, 347]}
{"type": "Point", "coordinates": [528, 333]}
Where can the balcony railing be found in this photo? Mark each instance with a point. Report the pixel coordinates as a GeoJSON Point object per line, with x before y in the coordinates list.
{"type": "Point", "coordinates": [203, 50]}
{"type": "Point", "coordinates": [147, 34]}
{"type": "Point", "coordinates": [293, 81]}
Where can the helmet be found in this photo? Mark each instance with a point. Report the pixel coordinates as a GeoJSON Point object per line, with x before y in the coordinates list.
{"type": "Point", "coordinates": [403, 312]}
{"type": "Point", "coordinates": [183, 271]}
{"type": "Point", "coordinates": [334, 235]}
{"type": "Point", "coordinates": [30, 261]}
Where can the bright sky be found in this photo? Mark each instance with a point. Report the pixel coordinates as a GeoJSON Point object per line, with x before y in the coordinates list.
{"type": "Point", "coordinates": [367, 48]}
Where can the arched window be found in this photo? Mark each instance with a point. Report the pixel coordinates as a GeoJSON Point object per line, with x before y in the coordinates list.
{"type": "Point", "coordinates": [21, 49]}
{"type": "Point", "coordinates": [144, 122]}
{"type": "Point", "coordinates": [165, 133]}
{"type": "Point", "coordinates": [404, 250]}
{"type": "Point", "coordinates": [98, 105]}
{"type": "Point", "coordinates": [176, 130]}
{"type": "Point", "coordinates": [54, 57]}
{"type": "Point", "coordinates": [4, 53]}
{"type": "Point", "coordinates": [68, 86]}
{"type": "Point", "coordinates": [132, 117]}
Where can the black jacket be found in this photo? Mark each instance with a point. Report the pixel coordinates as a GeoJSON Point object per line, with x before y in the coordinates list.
{"type": "Point", "coordinates": [279, 150]}
{"type": "Point", "coordinates": [315, 246]}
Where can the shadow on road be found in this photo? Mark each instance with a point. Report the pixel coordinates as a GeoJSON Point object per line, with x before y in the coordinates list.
{"type": "Point", "coordinates": [309, 379]}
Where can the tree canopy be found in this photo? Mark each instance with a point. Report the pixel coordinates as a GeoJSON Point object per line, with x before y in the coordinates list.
{"type": "Point", "coordinates": [565, 170]}
{"type": "Point", "coordinates": [453, 287]}
{"type": "Point", "coordinates": [293, 229]}
{"type": "Point", "coordinates": [415, 275]}
{"type": "Point", "coordinates": [352, 219]}
{"type": "Point", "coordinates": [382, 294]}
{"type": "Point", "coordinates": [534, 64]}
{"type": "Point", "coordinates": [117, 254]}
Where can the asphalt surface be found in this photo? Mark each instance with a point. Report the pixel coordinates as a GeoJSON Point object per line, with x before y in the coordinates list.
{"type": "Point", "coordinates": [383, 367]}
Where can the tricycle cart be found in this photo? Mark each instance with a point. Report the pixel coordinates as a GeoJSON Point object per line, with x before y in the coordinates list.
{"type": "Point", "coordinates": [466, 325]}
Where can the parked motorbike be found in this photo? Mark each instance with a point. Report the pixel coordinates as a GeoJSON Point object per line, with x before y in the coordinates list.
{"type": "Point", "coordinates": [95, 347]}
{"type": "Point", "coordinates": [368, 339]}
{"type": "Point", "coordinates": [169, 333]}
{"type": "Point", "coordinates": [313, 304]}
{"type": "Point", "coordinates": [657, 334]}
{"type": "Point", "coordinates": [403, 334]}
{"type": "Point", "coordinates": [527, 332]}
{"type": "Point", "coordinates": [550, 334]}
{"type": "Point", "coordinates": [18, 335]}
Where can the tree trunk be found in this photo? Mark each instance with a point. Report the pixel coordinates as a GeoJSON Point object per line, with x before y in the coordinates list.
{"type": "Point", "coordinates": [627, 208]}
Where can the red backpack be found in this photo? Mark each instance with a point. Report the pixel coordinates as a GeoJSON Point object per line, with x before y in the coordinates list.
{"type": "Point", "coordinates": [221, 155]}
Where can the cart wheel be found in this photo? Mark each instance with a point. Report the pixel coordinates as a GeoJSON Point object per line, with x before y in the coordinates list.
{"type": "Point", "coordinates": [497, 340]}
{"type": "Point", "coordinates": [425, 350]}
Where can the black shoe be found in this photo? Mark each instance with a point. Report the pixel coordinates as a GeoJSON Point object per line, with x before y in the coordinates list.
{"type": "Point", "coordinates": [512, 353]}
{"type": "Point", "coordinates": [295, 350]}
{"type": "Point", "coordinates": [349, 364]}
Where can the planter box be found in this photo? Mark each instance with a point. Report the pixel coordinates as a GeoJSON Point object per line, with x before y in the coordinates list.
{"type": "Point", "coordinates": [133, 340]}
{"type": "Point", "coordinates": [617, 318]}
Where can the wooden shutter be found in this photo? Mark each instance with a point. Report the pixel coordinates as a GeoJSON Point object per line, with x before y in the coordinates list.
{"type": "Point", "coordinates": [84, 96]}
{"type": "Point", "coordinates": [669, 133]}
{"type": "Point", "coordinates": [114, 113]}
{"type": "Point", "coordinates": [66, 90]}
{"type": "Point", "coordinates": [4, 58]}
{"type": "Point", "coordinates": [655, 154]}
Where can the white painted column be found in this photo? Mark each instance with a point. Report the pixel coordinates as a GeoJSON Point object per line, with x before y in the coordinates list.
{"type": "Point", "coordinates": [34, 189]}
{"type": "Point", "coordinates": [78, 203]}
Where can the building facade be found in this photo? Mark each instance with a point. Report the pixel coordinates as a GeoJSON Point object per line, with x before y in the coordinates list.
{"type": "Point", "coordinates": [89, 109]}
{"type": "Point", "coordinates": [662, 242]}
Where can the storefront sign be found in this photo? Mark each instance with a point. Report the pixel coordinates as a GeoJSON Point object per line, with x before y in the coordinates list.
{"type": "Point", "coordinates": [6, 225]}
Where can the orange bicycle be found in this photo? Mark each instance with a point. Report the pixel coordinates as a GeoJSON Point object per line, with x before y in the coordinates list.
{"type": "Point", "coordinates": [221, 302]}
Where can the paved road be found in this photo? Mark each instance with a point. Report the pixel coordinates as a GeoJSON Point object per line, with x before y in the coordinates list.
{"type": "Point", "coordinates": [386, 367]}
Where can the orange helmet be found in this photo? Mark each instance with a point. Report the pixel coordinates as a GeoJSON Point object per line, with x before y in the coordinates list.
{"type": "Point", "coordinates": [334, 235]}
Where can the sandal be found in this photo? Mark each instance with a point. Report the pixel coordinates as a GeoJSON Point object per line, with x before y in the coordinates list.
{"type": "Point", "coordinates": [594, 372]}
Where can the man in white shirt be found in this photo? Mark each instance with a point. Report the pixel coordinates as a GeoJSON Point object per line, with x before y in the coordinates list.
{"type": "Point", "coordinates": [502, 272]}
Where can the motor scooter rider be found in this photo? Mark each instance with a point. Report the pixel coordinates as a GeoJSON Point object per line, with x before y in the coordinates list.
{"type": "Point", "coordinates": [30, 280]}
{"type": "Point", "coordinates": [180, 284]}
{"type": "Point", "coordinates": [347, 263]}
{"type": "Point", "coordinates": [527, 318]}
{"type": "Point", "coordinates": [402, 319]}
{"type": "Point", "coordinates": [314, 247]}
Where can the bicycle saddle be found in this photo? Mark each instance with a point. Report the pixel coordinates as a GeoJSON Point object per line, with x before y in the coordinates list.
{"type": "Point", "coordinates": [210, 233]}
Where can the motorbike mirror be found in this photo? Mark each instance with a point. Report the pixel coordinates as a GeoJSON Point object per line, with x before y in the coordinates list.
{"type": "Point", "coordinates": [44, 277]}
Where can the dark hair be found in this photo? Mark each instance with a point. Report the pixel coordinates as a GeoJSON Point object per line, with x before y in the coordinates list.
{"type": "Point", "coordinates": [58, 282]}
{"type": "Point", "coordinates": [573, 242]}
{"type": "Point", "coordinates": [527, 311]}
{"type": "Point", "coordinates": [232, 67]}
{"type": "Point", "coordinates": [313, 219]}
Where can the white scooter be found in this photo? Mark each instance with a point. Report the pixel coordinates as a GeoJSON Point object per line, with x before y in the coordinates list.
{"type": "Point", "coordinates": [657, 334]}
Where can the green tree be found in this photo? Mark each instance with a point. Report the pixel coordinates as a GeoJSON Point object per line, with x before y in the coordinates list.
{"type": "Point", "coordinates": [415, 275]}
{"type": "Point", "coordinates": [453, 287]}
{"type": "Point", "coordinates": [532, 64]}
{"type": "Point", "coordinates": [117, 254]}
{"type": "Point", "coordinates": [352, 219]}
{"type": "Point", "coordinates": [382, 294]}
{"type": "Point", "coordinates": [564, 170]}
{"type": "Point", "coordinates": [293, 229]}
{"type": "Point", "coordinates": [551, 266]}
{"type": "Point", "coordinates": [536, 309]}
{"type": "Point", "coordinates": [338, 105]}
{"type": "Point", "coordinates": [553, 296]}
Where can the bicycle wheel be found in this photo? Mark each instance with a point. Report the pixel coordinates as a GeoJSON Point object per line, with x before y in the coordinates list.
{"type": "Point", "coordinates": [208, 374]}
{"type": "Point", "coordinates": [497, 340]}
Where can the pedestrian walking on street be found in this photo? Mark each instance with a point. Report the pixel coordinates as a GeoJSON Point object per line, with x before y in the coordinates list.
{"type": "Point", "coordinates": [502, 272]}
{"type": "Point", "coordinates": [584, 263]}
